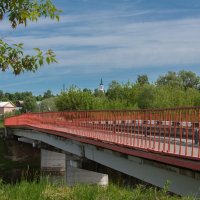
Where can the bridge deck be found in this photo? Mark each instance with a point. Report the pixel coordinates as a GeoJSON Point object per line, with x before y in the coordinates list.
{"type": "Point", "coordinates": [166, 132]}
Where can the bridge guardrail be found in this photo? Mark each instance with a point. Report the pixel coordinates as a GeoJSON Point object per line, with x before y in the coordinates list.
{"type": "Point", "coordinates": [171, 131]}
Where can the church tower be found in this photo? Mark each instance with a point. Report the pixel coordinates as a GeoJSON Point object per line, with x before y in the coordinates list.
{"type": "Point", "coordinates": [101, 86]}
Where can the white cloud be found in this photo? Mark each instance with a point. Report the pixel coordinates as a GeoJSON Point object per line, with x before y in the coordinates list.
{"type": "Point", "coordinates": [94, 44]}
{"type": "Point", "coordinates": [100, 41]}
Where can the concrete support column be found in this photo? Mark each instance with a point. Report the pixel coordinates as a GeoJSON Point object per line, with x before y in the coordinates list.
{"type": "Point", "coordinates": [53, 164]}
{"type": "Point", "coordinates": [77, 175]}
{"type": "Point", "coordinates": [67, 168]}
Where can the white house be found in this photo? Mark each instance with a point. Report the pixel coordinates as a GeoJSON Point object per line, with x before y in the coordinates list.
{"type": "Point", "coordinates": [6, 107]}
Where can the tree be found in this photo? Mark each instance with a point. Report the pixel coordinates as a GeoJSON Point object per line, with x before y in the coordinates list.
{"type": "Point", "coordinates": [98, 93]}
{"type": "Point", "coordinates": [48, 105]}
{"type": "Point", "coordinates": [145, 97]}
{"type": "Point", "coordinates": [114, 91]}
{"type": "Point", "coordinates": [20, 12]}
{"type": "Point", "coordinates": [75, 99]}
{"type": "Point", "coordinates": [1, 95]}
{"type": "Point", "coordinates": [189, 79]}
{"type": "Point", "coordinates": [142, 79]}
{"type": "Point", "coordinates": [170, 79]}
{"type": "Point", "coordinates": [87, 90]}
{"type": "Point", "coordinates": [47, 94]}
{"type": "Point", "coordinates": [29, 104]}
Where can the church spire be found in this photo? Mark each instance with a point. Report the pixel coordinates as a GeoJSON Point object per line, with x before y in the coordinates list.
{"type": "Point", "coordinates": [101, 86]}
{"type": "Point", "coordinates": [101, 82]}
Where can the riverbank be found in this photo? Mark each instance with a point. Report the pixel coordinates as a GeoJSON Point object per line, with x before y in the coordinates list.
{"type": "Point", "coordinates": [15, 159]}
{"type": "Point", "coordinates": [44, 190]}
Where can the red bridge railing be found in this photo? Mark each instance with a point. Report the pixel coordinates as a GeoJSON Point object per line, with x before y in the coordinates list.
{"type": "Point", "coordinates": [168, 131]}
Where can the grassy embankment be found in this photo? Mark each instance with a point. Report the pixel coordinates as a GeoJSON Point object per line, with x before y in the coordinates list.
{"type": "Point", "coordinates": [43, 190]}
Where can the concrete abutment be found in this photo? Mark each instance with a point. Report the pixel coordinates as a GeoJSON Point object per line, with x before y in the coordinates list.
{"type": "Point", "coordinates": [67, 168]}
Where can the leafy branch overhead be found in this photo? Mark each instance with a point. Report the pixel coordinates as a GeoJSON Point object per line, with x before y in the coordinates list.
{"type": "Point", "coordinates": [20, 12]}
{"type": "Point", "coordinates": [13, 57]}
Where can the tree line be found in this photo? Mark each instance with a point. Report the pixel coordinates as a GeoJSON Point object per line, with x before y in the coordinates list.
{"type": "Point", "coordinates": [26, 101]}
{"type": "Point", "coordinates": [173, 89]}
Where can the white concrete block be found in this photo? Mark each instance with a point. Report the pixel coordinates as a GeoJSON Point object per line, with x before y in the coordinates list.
{"type": "Point", "coordinates": [52, 161]}
{"type": "Point", "coordinates": [77, 175]}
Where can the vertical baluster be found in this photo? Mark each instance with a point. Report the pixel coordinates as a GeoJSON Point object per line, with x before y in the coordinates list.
{"type": "Point", "coordinates": [180, 133]}
{"type": "Point", "coordinates": [150, 128]}
{"type": "Point", "coordinates": [193, 121]}
{"type": "Point", "coordinates": [134, 132]}
{"type": "Point", "coordinates": [175, 120]}
{"type": "Point", "coordinates": [186, 131]}
{"type": "Point", "coordinates": [154, 130]}
{"type": "Point", "coordinates": [146, 128]}
{"type": "Point", "coordinates": [169, 129]}
{"type": "Point", "coordinates": [198, 133]}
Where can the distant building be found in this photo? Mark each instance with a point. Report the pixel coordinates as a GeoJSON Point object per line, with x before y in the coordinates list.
{"type": "Point", "coordinates": [19, 103]}
{"type": "Point", "coordinates": [6, 107]}
{"type": "Point", "coordinates": [101, 86]}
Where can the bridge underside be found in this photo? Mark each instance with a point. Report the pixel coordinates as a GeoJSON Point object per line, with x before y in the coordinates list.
{"type": "Point", "coordinates": [138, 164]}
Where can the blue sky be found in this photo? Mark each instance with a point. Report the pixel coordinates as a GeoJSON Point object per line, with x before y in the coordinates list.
{"type": "Point", "coordinates": [112, 39]}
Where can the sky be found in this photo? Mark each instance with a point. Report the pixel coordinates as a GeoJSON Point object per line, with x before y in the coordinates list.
{"type": "Point", "coordinates": [108, 39]}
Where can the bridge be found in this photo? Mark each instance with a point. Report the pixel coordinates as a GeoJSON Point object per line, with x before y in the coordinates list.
{"type": "Point", "coordinates": [151, 145]}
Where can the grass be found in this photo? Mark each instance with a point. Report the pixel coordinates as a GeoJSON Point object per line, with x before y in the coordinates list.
{"type": "Point", "coordinates": [44, 190]}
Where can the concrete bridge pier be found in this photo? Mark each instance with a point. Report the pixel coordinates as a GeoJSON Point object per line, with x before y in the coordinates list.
{"type": "Point", "coordinates": [53, 165]}
{"type": "Point", "coordinates": [76, 175]}
{"type": "Point", "coordinates": [68, 169]}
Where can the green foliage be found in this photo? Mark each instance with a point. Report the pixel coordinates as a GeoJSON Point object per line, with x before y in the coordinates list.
{"type": "Point", "coordinates": [20, 12]}
{"type": "Point", "coordinates": [20, 96]}
{"type": "Point", "coordinates": [75, 99]}
{"type": "Point", "coordinates": [29, 104]}
{"type": "Point", "coordinates": [47, 94]}
{"type": "Point", "coordinates": [43, 190]}
{"type": "Point", "coordinates": [170, 90]}
{"type": "Point", "coordinates": [169, 79]}
{"type": "Point", "coordinates": [114, 91]}
{"type": "Point", "coordinates": [47, 105]}
{"type": "Point", "coordinates": [142, 79]}
{"type": "Point", "coordinates": [185, 79]}
{"type": "Point", "coordinates": [189, 79]}
{"type": "Point", "coordinates": [167, 96]}
{"type": "Point", "coordinates": [13, 113]}
{"type": "Point", "coordinates": [145, 96]}
{"type": "Point", "coordinates": [13, 56]}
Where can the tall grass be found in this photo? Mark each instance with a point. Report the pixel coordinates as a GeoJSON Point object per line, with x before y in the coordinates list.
{"type": "Point", "coordinates": [44, 190]}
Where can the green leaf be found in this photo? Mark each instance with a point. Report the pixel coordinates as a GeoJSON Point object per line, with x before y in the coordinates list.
{"type": "Point", "coordinates": [57, 17]}
{"type": "Point", "coordinates": [37, 49]}
{"type": "Point", "coordinates": [41, 61]}
{"type": "Point", "coordinates": [48, 60]}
